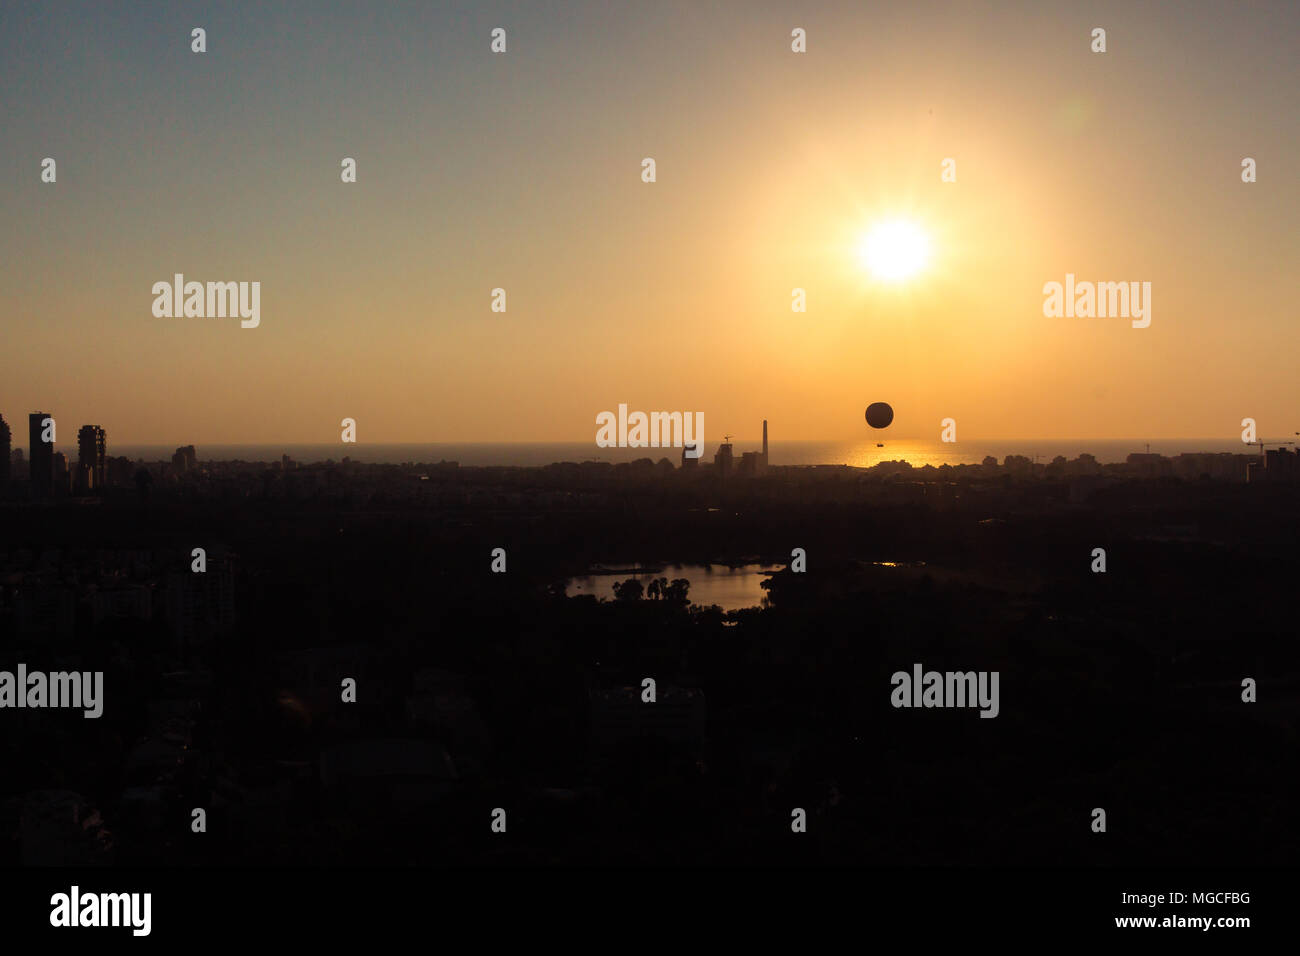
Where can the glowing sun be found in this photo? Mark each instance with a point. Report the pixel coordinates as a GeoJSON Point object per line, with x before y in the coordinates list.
{"type": "Point", "coordinates": [895, 250]}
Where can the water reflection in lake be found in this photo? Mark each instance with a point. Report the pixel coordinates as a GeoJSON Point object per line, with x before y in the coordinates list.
{"type": "Point", "coordinates": [729, 588]}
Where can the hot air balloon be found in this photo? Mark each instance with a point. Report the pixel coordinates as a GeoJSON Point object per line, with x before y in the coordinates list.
{"type": "Point", "coordinates": [879, 415]}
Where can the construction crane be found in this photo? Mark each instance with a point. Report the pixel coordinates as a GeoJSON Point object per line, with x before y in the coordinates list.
{"type": "Point", "coordinates": [727, 439]}
{"type": "Point", "coordinates": [1263, 443]}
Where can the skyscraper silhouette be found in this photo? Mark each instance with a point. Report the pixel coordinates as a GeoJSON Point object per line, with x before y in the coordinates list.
{"type": "Point", "coordinates": [6, 449]}
{"type": "Point", "coordinates": [722, 459]}
{"type": "Point", "coordinates": [91, 456]}
{"type": "Point", "coordinates": [41, 466]}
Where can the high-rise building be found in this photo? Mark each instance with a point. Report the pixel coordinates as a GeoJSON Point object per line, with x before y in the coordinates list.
{"type": "Point", "coordinates": [92, 445]}
{"type": "Point", "coordinates": [62, 480]}
{"type": "Point", "coordinates": [690, 461]}
{"type": "Point", "coordinates": [198, 606]}
{"type": "Point", "coordinates": [748, 465]}
{"type": "Point", "coordinates": [184, 459]}
{"type": "Point", "coordinates": [6, 449]}
{"type": "Point", "coordinates": [40, 467]}
{"type": "Point", "coordinates": [1281, 465]}
{"type": "Point", "coordinates": [722, 459]}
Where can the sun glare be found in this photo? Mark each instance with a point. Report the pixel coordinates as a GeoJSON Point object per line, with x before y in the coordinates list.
{"type": "Point", "coordinates": [895, 250]}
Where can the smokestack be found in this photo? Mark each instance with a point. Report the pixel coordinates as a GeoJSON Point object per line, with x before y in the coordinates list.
{"type": "Point", "coordinates": [765, 441]}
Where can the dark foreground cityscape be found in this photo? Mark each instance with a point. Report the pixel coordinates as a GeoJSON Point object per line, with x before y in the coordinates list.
{"type": "Point", "coordinates": [340, 663]}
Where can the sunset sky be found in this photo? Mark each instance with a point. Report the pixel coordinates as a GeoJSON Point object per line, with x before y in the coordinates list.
{"type": "Point", "coordinates": [523, 171]}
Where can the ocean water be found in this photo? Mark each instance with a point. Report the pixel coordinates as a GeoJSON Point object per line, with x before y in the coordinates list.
{"type": "Point", "coordinates": [860, 453]}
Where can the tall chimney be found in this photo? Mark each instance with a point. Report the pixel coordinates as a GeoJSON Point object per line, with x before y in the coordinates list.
{"type": "Point", "coordinates": [765, 441]}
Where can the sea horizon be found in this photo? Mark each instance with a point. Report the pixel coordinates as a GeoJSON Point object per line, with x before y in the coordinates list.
{"type": "Point", "coordinates": [856, 453]}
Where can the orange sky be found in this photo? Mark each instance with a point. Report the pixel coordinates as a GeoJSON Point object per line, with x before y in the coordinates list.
{"type": "Point", "coordinates": [522, 171]}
